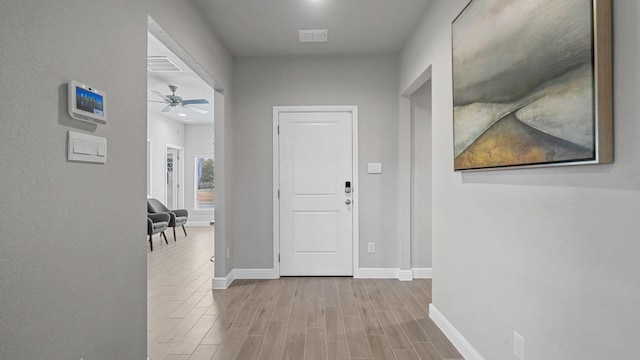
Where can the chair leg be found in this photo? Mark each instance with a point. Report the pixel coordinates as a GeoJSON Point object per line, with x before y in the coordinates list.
{"type": "Point", "coordinates": [185, 230]}
{"type": "Point", "coordinates": [150, 242]}
{"type": "Point", "coordinates": [174, 233]}
{"type": "Point", "coordinates": [165, 238]}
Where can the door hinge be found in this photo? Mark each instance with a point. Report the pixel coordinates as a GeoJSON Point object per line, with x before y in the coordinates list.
{"type": "Point", "coordinates": [278, 129]}
{"type": "Point", "coordinates": [278, 193]}
{"type": "Point", "coordinates": [278, 257]}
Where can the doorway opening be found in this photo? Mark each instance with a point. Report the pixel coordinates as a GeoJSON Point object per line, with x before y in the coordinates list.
{"type": "Point", "coordinates": [174, 190]}
{"type": "Point", "coordinates": [184, 105]}
{"type": "Point", "coordinates": [421, 178]}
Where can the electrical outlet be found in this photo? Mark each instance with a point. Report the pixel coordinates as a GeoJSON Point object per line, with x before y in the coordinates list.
{"type": "Point", "coordinates": [518, 345]}
{"type": "Point", "coordinates": [371, 248]}
{"type": "Point", "coordinates": [228, 252]}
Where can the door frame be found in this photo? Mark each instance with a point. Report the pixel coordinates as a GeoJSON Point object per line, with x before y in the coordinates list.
{"type": "Point", "coordinates": [353, 109]}
{"type": "Point", "coordinates": [180, 150]}
{"type": "Point", "coordinates": [149, 168]}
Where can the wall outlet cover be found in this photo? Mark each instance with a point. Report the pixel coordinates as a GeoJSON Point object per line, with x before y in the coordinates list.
{"type": "Point", "coordinates": [371, 248]}
{"type": "Point", "coordinates": [518, 345]}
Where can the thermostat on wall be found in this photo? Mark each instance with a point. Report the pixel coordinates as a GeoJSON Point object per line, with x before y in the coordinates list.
{"type": "Point", "coordinates": [87, 103]}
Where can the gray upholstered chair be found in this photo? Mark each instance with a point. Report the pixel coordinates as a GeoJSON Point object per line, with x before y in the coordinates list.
{"type": "Point", "coordinates": [157, 223]}
{"type": "Point", "coordinates": [178, 217]}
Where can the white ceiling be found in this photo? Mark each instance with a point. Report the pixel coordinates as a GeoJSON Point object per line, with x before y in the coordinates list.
{"type": "Point", "coordinates": [190, 86]}
{"type": "Point", "coordinates": [270, 27]}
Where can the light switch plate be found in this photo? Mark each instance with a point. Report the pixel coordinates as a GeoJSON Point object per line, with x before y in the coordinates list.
{"type": "Point", "coordinates": [374, 168]}
{"type": "Point", "coordinates": [86, 148]}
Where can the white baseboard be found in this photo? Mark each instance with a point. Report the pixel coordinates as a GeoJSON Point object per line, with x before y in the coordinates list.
{"type": "Point", "coordinates": [405, 275]}
{"type": "Point", "coordinates": [462, 345]}
{"type": "Point", "coordinates": [422, 273]}
{"type": "Point", "coordinates": [363, 273]}
{"type": "Point", "coordinates": [377, 273]}
{"type": "Point", "coordinates": [225, 282]}
{"type": "Point", "coordinates": [393, 273]}
{"type": "Point", "coordinates": [221, 283]}
{"type": "Point", "coordinates": [197, 223]}
{"type": "Point", "coordinates": [255, 274]}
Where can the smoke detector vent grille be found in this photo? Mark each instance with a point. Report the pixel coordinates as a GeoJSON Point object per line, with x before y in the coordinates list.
{"type": "Point", "coordinates": [313, 35]}
{"type": "Point", "coordinates": [161, 64]}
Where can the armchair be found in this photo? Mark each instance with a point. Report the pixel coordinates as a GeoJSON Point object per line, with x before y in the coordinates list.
{"type": "Point", "coordinates": [157, 223]}
{"type": "Point", "coordinates": [177, 217]}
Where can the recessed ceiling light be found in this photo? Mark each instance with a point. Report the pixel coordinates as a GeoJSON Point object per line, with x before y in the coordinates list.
{"type": "Point", "coordinates": [313, 35]}
{"type": "Point", "coordinates": [182, 114]}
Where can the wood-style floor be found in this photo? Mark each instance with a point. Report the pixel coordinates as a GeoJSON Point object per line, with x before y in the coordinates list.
{"type": "Point", "coordinates": [331, 318]}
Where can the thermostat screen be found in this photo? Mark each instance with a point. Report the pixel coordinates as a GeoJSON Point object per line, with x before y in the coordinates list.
{"type": "Point", "coordinates": [89, 101]}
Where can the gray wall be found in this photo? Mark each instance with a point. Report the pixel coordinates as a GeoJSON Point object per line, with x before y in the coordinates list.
{"type": "Point", "coordinates": [553, 252]}
{"type": "Point", "coordinates": [72, 248]}
{"type": "Point", "coordinates": [261, 83]}
{"type": "Point", "coordinates": [72, 235]}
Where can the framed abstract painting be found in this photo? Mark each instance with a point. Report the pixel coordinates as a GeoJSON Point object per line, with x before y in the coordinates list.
{"type": "Point", "coordinates": [532, 83]}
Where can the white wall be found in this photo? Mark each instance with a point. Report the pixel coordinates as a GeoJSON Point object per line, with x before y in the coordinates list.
{"type": "Point", "coordinates": [553, 252]}
{"type": "Point", "coordinates": [162, 131]}
{"type": "Point", "coordinates": [261, 83]}
{"type": "Point", "coordinates": [72, 235]}
{"type": "Point", "coordinates": [198, 142]}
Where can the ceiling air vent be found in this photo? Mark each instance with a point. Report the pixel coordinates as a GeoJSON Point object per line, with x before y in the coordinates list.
{"type": "Point", "coordinates": [313, 35]}
{"type": "Point", "coordinates": [161, 64]}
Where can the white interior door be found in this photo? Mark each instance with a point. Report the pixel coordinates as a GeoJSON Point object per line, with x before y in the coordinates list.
{"type": "Point", "coordinates": [316, 204]}
{"type": "Point", "coordinates": [173, 178]}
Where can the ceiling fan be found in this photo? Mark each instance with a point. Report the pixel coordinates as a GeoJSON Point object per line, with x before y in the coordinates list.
{"type": "Point", "coordinates": [174, 100]}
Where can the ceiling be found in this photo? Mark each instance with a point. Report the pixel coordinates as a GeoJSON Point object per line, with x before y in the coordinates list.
{"type": "Point", "coordinates": [270, 27]}
{"type": "Point", "coordinates": [190, 86]}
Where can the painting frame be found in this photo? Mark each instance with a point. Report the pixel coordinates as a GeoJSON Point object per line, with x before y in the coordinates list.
{"type": "Point", "coordinates": [484, 139]}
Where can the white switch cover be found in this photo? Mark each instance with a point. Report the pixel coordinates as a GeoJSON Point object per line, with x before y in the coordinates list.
{"type": "Point", "coordinates": [102, 149]}
{"type": "Point", "coordinates": [374, 168]}
{"type": "Point", "coordinates": [86, 148]}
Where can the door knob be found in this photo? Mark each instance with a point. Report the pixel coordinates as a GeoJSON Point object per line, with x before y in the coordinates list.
{"type": "Point", "coordinates": [348, 201]}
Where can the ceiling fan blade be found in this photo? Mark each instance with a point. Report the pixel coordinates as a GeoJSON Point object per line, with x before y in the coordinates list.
{"type": "Point", "coordinates": [157, 101]}
{"type": "Point", "coordinates": [195, 101]}
{"type": "Point", "coordinates": [167, 108]}
{"type": "Point", "coordinates": [159, 94]}
{"type": "Point", "coordinates": [196, 109]}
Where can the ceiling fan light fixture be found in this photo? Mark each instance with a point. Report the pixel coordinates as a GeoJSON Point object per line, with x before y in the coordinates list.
{"type": "Point", "coordinates": [173, 101]}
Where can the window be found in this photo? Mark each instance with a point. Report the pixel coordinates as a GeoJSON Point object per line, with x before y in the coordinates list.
{"type": "Point", "coordinates": [204, 187]}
